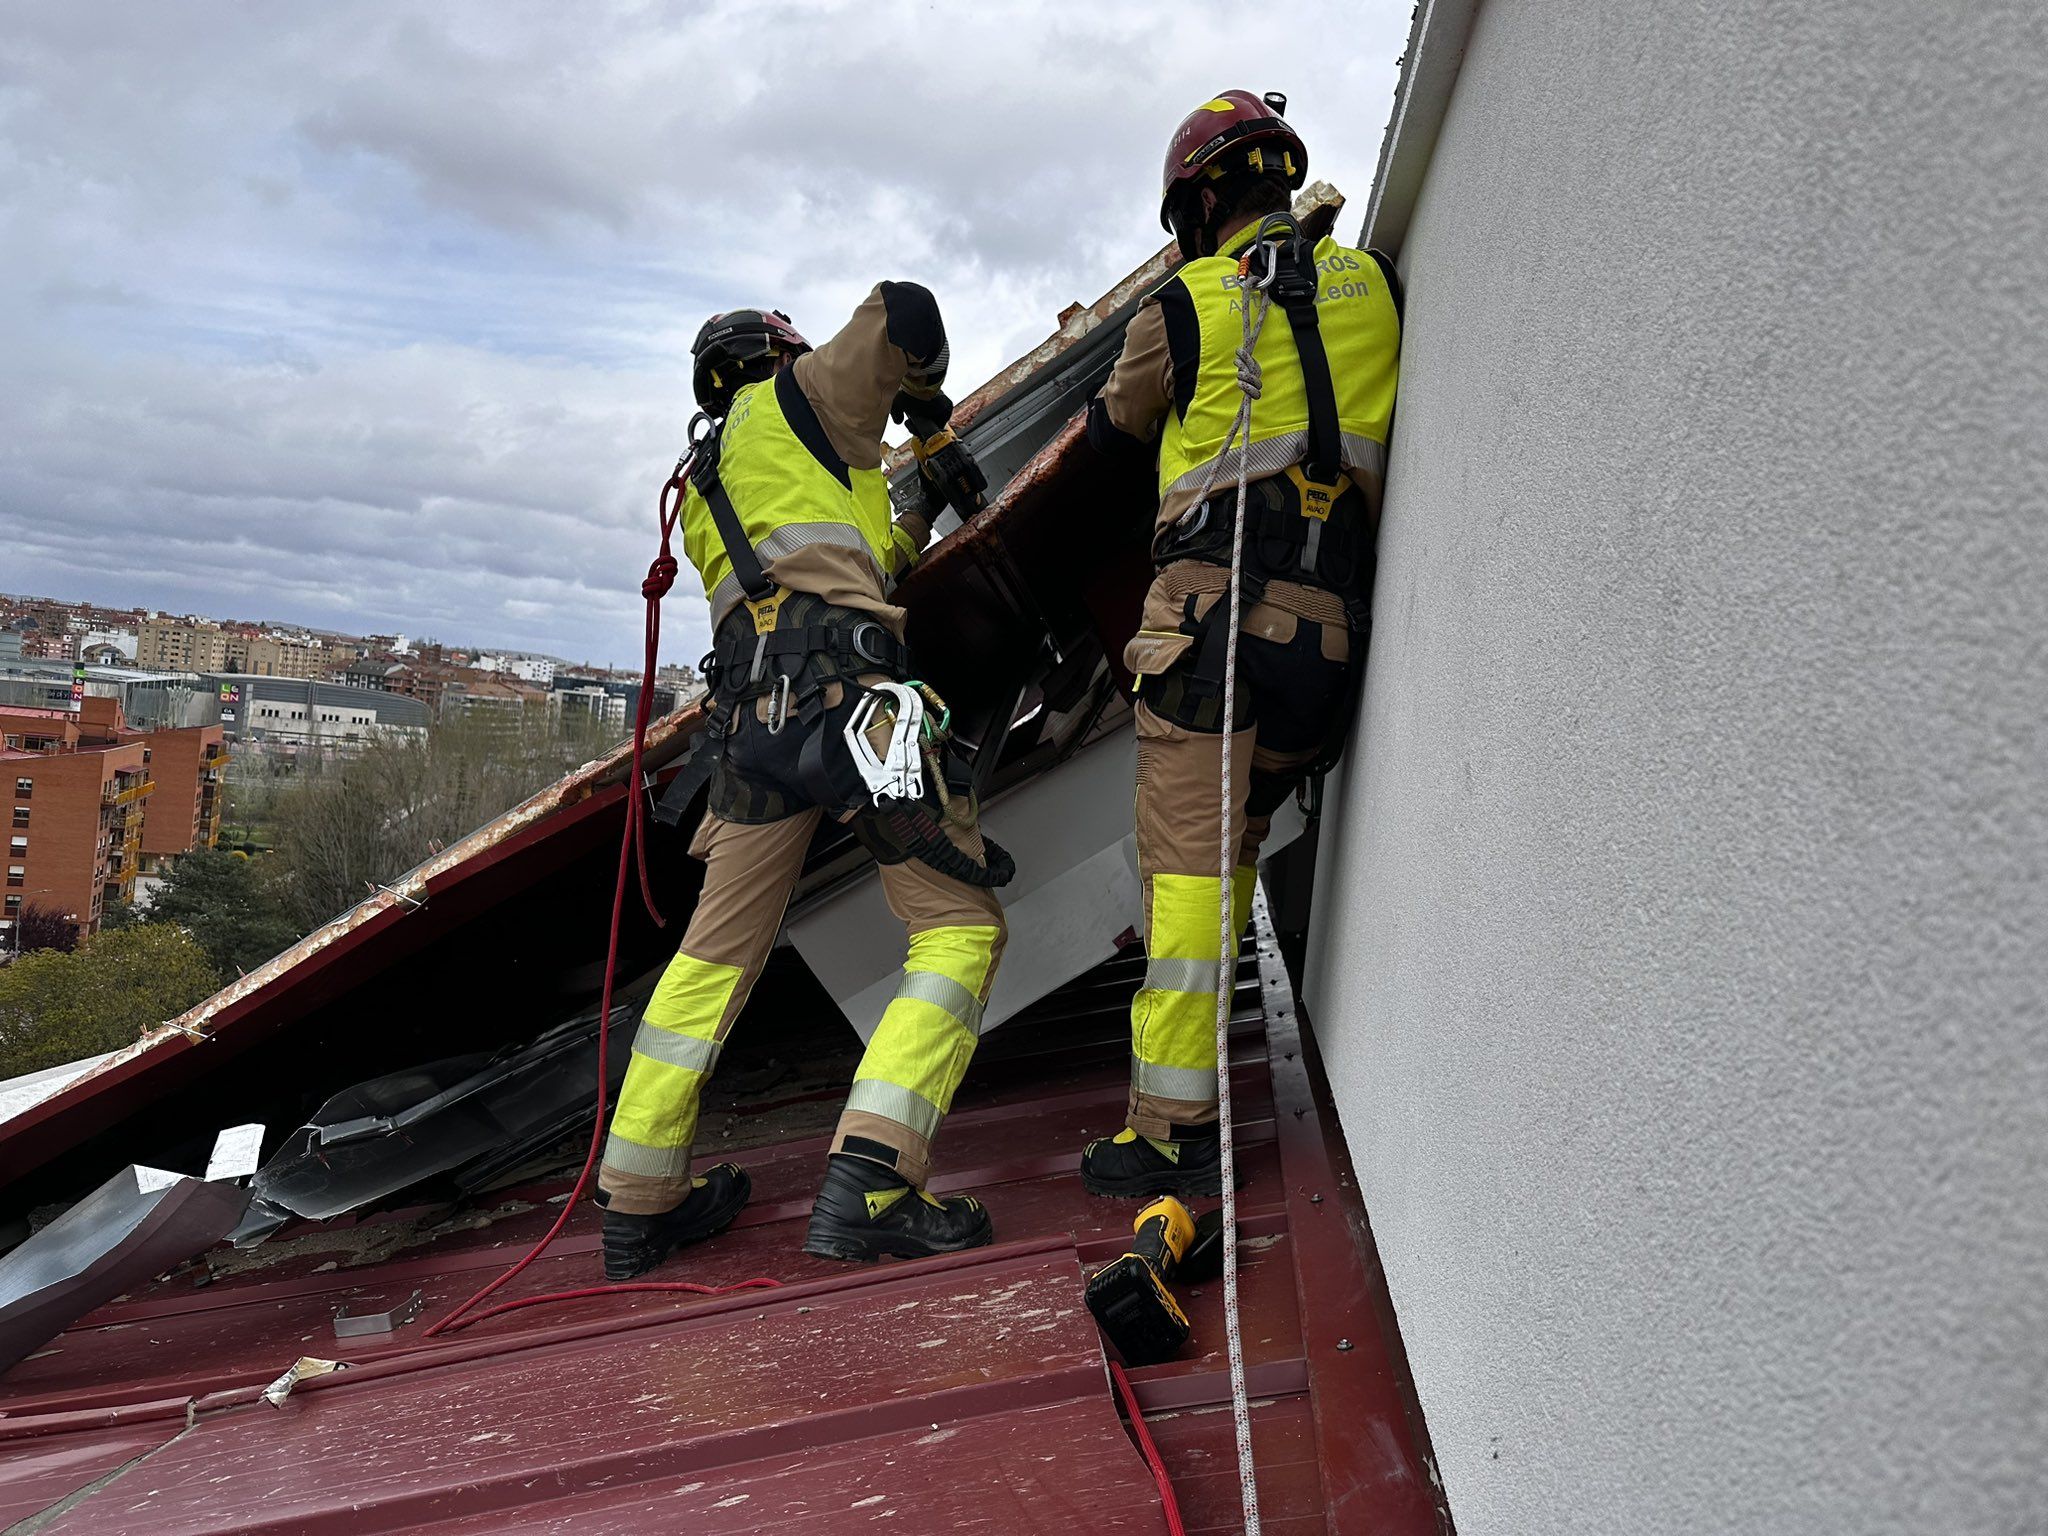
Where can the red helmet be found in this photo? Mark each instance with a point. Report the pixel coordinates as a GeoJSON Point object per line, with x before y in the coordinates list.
{"type": "Point", "coordinates": [728, 346]}
{"type": "Point", "coordinates": [1236, 131]}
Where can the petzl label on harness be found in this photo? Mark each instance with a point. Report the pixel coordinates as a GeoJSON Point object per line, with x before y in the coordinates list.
{"type": "Point", "coordinates": [1316, 497]}
{"type": "Point", "coordinates": [765, 610]}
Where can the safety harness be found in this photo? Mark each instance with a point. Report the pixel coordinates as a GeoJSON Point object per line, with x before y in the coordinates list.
{"type": "Point", "coordinates": [1309, 525]}
{"type": "Point", "coordinates": [789, 648]}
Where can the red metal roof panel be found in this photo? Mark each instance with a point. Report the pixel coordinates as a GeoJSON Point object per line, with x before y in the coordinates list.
{"type": "Point", "coordinates": [786, 1407]}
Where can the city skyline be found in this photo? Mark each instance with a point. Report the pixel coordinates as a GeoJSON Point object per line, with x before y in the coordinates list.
{"type": "Point", "coordinates": [13, 602]}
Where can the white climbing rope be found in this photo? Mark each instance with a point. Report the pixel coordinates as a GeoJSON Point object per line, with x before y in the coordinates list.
{"type": "Point", "coordinates": [1255, 300]}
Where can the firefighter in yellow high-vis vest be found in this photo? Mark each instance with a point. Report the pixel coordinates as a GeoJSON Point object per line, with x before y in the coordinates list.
{"type": "Point", "coordinates": [1327, 360]}
{"type": "Point", "coordinates": [788, 521]}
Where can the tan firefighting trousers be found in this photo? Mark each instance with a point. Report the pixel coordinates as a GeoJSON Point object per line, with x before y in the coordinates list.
{"type": "Point", "coordinates": [920, 1050]}
{"type": "Point", "coordinates": [1179, 816]}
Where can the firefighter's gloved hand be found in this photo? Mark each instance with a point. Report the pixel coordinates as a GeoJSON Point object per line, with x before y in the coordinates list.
{"type": "Point", "coordinates": [912, 531]}
{"type": "Point", "coordinates": [923, 414]}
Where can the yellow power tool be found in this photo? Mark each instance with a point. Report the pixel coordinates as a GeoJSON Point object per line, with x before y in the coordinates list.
{"type": "Point", "coordinates": [1129, 1296]}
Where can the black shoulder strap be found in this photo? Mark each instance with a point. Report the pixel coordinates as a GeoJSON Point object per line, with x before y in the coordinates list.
{"type": "Point", "coordinates": [1295, 289]}
{"type": "Point", "coordinates": [732, 533]}
{"type": "Point", "coordinates": [803, 421]}
{"type": "Point", "coordinates": [1183, 341]}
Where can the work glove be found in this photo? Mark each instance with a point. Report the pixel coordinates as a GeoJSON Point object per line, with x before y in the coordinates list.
{"type": "Point", "coordinates": [923, 414]}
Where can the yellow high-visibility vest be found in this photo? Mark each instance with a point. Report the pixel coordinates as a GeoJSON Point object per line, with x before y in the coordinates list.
{"type": "Point", "coordinates": [790, 490]}
{"type": "Point", "coordinates": [1361, 333]}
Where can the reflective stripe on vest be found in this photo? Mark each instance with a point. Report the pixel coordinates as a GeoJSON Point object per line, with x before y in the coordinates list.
{"type": "Point", "coordinates": [1361, 333]}
{"type": "Point", "coordinates": [787, 496]}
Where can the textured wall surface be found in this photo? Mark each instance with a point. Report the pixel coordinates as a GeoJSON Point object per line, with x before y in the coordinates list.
{"type": "Point", "coordinates": [1683, 917]}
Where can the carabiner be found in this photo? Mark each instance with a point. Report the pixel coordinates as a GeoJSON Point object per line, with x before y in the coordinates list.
{"type": "Point", "coordinates": [778, 705]}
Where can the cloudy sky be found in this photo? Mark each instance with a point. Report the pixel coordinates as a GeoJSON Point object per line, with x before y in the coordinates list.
{"type": "Point", "coordinates": [377, 317]}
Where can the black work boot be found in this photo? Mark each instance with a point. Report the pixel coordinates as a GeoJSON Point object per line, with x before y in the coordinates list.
{"type": "Point", "coordinates": [1130, 1166]}
{"type": "Point", "coordinates": [635, 1244]}
{"type": "Point", "coordinates": [866, 1210]}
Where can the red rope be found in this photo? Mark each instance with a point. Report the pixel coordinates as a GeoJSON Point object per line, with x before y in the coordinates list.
{"type": "Point", "coordinates": [661, 575]}
{"type": "Point", "coordinates": [1166, 1498]}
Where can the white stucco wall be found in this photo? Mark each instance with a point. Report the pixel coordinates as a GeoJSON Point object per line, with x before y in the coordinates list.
{"type": "Point", "coordinates": [1680, 960]}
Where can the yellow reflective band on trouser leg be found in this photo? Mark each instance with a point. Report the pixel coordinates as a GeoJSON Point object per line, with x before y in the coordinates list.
{"type": "Point", "coordinates": [906, 1080]}
{"type": "Point", "coordinates": [647, 1156]}
{"type": "Point", "coordinates": [1173, 1017]}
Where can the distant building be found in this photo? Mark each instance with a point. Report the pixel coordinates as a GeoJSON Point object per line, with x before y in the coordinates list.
{"type": "Point", "coordinates": [184, 811]}
{"type": "Point", "coordinates": [682, 684]}
{"type": "Point", "coordinates": [105, 647]}
{"type": "Point", "coordinates": [528, 669]}
{"type": "Point", "coordinates": [590, 702]}
{"type": "Point", "coordinates": [626, 690]}
{"type": "Point", "coordinates": [296, 713]}
{"type": "Point", "coordinates": [185, 764]}
{"type": "Point", "coordinates": [489, 696]}
{"type": "Point", "coordinates": [76, 812]}
{"type": "Point", "coordinates": [180, 645]}
{"type": "Point", "coordinates": [276, 656]}
{"type": "Point", "coordinates": [375, 673]}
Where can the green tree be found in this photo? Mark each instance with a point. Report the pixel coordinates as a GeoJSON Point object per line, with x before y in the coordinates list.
{"type": "Point", "coordinates": [116, 915]}
{"type": "Point", "coordinates": [57, 1007]}
{"type": "Point", "coordinates": [221, 901]}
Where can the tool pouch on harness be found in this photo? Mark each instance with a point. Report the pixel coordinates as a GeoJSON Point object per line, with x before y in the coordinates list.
{"type": "Point", "coordinates": [793, 667]}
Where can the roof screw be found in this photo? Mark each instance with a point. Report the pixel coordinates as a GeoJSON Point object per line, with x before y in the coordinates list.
{"type": "Point", "coordinates": [1344, 1346]}
{"type": "Point", "coordinates": [1315, 1199]}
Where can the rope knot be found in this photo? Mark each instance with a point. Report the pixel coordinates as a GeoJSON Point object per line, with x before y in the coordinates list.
{"type": "Point", "coordinates": [661, 575]}
{"type": "Point", "coordinates": [1250, 378]}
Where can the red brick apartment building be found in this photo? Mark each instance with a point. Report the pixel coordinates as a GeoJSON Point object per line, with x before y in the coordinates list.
{"type": "Point", "coordinates": [184, 813]}
{"type": "Point", "coordinates": [88, 798]}
{"type": "Point", "coordinates": [74, 831]}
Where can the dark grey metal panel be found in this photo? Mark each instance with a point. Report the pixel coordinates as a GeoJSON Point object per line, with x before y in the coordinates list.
{"type": "Point", "coordinates": [465, 1117]}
